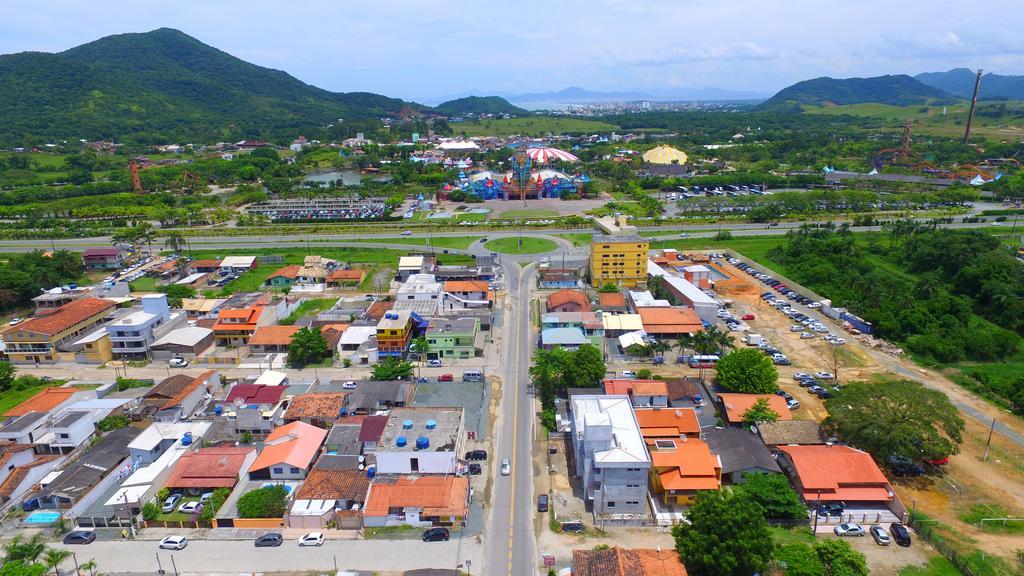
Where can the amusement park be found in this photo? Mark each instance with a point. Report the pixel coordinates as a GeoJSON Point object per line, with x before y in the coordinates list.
{"type": "Point", "coordinates": [532, 171]}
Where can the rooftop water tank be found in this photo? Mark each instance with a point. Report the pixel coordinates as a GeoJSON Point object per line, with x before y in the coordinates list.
{"type": "Point", "coordinates": [401, 441]}
{"type": "Point", "coordinates": [407, 425]}
{"type": "Point", "coordinates": [218, 410]}
{"type": "Point", "coordinates": [431, 424]}
{"type": "Point", "coordinates": [422, 443]}
{"type": "Point", "coordinates": [186, 439]}
{"type": "Point", "coordinates": [371, 472]}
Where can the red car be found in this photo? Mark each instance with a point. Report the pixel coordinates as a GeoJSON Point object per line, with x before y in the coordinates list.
{"type": "Point", "coordinates": [446, 378]}
{"type": "Point", "coordinates": [936, 461]}
{"type": "Point", "coordinates": [748, 316]}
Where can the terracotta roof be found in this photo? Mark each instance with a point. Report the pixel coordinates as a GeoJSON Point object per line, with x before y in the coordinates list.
{"type": "Point", "coordinates": [273, 335]}
{"type": "Point", "coordinates": [611, 300]}
{"type": "Point", "coordinates": [466, 286]}
{"type": "Point", "coordinates": [690, 466]}
{"type": "Point", "coordinates": [373, 428]}
{"type": "Point", "coordinates": [291, 272]}
{"type": "Point", "coordinates": [316, 405]}
{"type": "Point", "coordinates": [9, 450]}
{"type": "Point", "coordinates": [736, 405]}
{"type": "Point", "coordinates": [323, 484]}
{"type": "Point", "coordinates": [566, 296]}
{"type": "Point", "coordinates": [295, 444]}
{"type": "Point", "coordinates": [353, 275]}
{"type": "Point", "coordinates": [17, 475]}
{"type": "Point", "coordinates": [676, 421]}
{"type": "Point", "coordinates": [43, 401]}
{"type": "Point", "coordinates": [650, 388]}
{"type": "Point", "coordinates": [437, 495]}
{"type": "Point", "coordinates": [205, 264]}
{"type": "Point", "coordinates": [838, 472]}
{"type": "Point", "coordinates": [66, 316]}
{"type": "Point", "coordinates": [377, 310]}
{"type": "Point", "coordinates": [213, 467]}
{"type": "Point", "coordinates": [101, 252]}
{"type": "Point", "coordinates": [683, 388]}
{"type": "Point", "coordinates": [629, 386]}
{"type": "Point", "coordinates": [255, 394]}
{"type": "Point", "coordinates": [250, 315]}
{"type": "Point", "coordinates": [627, 562]}
{"type": "Point", "coordinates": [173, 390]}
{"type": "Point", "coordinates": [663, 320]}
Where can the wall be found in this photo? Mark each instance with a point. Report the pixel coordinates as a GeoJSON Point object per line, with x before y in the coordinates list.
{"type": "Point", "coordinates": [615, 482]}
{"type": "Point", "coordinates": [256, 522]}
{"type": "Point", "coordinates": [429, 462]}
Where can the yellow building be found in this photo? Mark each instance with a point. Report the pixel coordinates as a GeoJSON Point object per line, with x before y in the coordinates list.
{"type": "Point", "coordinates": [619, 260]}
{"type": "Point", "coordinates": [36, 339]}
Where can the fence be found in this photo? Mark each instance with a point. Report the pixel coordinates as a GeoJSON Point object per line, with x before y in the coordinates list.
{"type": "Point", "coordinates": [927, 532]}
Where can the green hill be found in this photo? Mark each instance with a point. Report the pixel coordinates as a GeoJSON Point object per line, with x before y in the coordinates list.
{"type": "Point", "coordinates": [960, 82]}
{"type": "Point", "coordinates": [898, 90]}
{"type": "Point", "coordinates": [481, 105]}
{"type": "Point", "coordinates": [164, 86]}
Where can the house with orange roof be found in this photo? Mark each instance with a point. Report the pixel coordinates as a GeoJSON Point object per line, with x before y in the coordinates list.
{"type": "Point", "coordinates": [44, 401]}
{"type": "Point", "coordinates": [463, 294]}
{"type": "Point", "coordinates": [340, 278]}
{"type": "Point", "coordinates": [642, 393]}
{"type": "Point", "coordinates": [567, 301]}
{"type": "Point", "coordinates": [209, 468]}
{"type": "Point", "coordinates": [429, 500]}
{"type": "Point", "coordinates": [834, 473]}
{"type": "Point", "coordinates": [612, 302]}
{"type": "Point", "coordinates": [180, 396]}
{"type": "Point", "coordinates": [332, 333]}
{"type": "Point", "coordinates": [271, 339]}
{"type": "Point", "coordinates": [283, 276]}
{"type": "Point", "coordinates": [37, 340]}
{"type": "Point", "coordinates": [736, 405]}
{"type": "Point", "coordinates": [667, 424]}
{"type": "Point", "coordinates": [204, 266]}
{"type": "Point", "coordinates": [321, 409]}
{"type": "Point", "coordinates": [669, 323]}
{"type": "Point", "coordinates": [616, 561]}
{"type": "Point", "coordinates": [235, 326]}
{"type": "Point", "coordinates": [681, 468]}
{"type": "Point", "coordinates": [288, 452]}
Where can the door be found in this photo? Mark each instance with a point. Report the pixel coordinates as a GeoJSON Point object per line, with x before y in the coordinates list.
{"type": "Point", "coordinates": [414, 464]}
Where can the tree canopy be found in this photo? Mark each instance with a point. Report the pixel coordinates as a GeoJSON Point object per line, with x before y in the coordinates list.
{"type": "Point", "coordinates": [747, 370]}
{"type": "Point", "coordinates": [896, 418]}
{"type": "Point", "coordinates": [308, 346]}
{"type": "Point", "coordinates": [727, 536]}
{"type": "Point", "coordinates": [266, 502]}
{"type": "Point", "coordinates": [760, 411]}
{"type": "Point", "coordinates": [774, 494]}
{"type": "Point", "coordinates": [391, 369]}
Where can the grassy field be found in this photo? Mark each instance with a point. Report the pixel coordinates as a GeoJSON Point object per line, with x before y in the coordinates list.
{"type": "Point", "coordinates": [510, 245]}
{"type": "Point", "coordinates": [581, 239]}
{"type": "Point", "coordinates": [457, 242]}
{"type": "Point", "coordinates": [980, 377]}
{"type": "Point", "coordinates": [12, 398]}
{"type": "Point", "coordinates": [937, 566]}
{"type": "Point", "coordinates": [532, 126]}
{"type": "Point", "coordinates": [144, 284]}
{"type": "Point", "coordinates": [529, 213]}
{"type": "Point", "coordinates": [931, 120]}
{"type": "Point", "coordinates": [309, 307]}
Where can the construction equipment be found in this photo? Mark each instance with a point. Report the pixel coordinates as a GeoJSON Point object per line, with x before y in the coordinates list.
{"type": "Point", "coordinates": [974, 101]}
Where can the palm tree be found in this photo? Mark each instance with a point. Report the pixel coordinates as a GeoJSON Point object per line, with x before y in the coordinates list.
{"type": "Point", "coordinates": [89, 565]}
{"type": "Point", "coordinates": [175, 241]}
{"type": "Point", "coordinates": [683, 342]}
{"type": "Point", "coordinates": [421, 346]}
{"type": "Point", "coordinates": [715, 340]}
{"type": "Point", "coordinates": [53, 558]}
{"type": "Point", "coordinates": [660, 347]}
{"type": "Point", "coordinates": [145, 235]}
{"type": "Point", "coordinates": [27, 551]}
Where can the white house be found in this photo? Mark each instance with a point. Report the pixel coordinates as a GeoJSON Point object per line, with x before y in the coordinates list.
{"type": "Point", "coordinates": [421, 441]}
{"type": "Point", "coordinates": [132, 335]}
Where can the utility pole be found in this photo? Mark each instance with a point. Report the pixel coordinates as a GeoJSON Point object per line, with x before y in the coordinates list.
{"type": "Point", "coordinates": [974, 101]}
{"type": "Point", "coordinates": [817, 505]}
{"type": "Point", "coordinates": [991, 428]}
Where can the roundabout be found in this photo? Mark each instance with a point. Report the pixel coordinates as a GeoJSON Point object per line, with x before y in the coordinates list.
{"type": "Point", "coordinates": [521, 245]}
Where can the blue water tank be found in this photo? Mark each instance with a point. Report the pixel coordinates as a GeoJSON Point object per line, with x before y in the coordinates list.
{"type": "Point", "coordinates": [422, 443]}
{"type": "Point", "coordinates": [407, 424]}
{"type": "Point", "coordinates": [218, 410]}
{"type": "Point", "coordinates": [73, 286]}
{"type": "Point", "coordinates": [431, 424]}
{"type": "Point", "coordinates": [371, 472]}
{"type": "Point", "coordinates": [186, 440]}
{"type": "Point", "coordinates": [401, 441]}
{"type": "Point", "coordinates": [344, 411]}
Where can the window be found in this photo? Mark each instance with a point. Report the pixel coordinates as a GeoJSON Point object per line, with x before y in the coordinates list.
{"type": "Point", "coordinates": [632, 503]}
{"type": "Point", "coordinates": [278, 470]}
{"type": "Point", "coordinates": [632, 485]}
{"type": "Point", "coordinates": [610, 504]}
{"type": "Point", "coordinates": [293, 470]}
{"type": "Point", "coordinates": [64, 435]}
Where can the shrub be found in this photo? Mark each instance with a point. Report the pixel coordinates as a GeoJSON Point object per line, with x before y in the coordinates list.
{"type": "Point", "coordinates": [266, 502]}
{"type": "Point", "coordinates": [150, 511]}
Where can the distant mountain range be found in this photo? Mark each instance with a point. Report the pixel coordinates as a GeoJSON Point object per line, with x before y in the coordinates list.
{"type": "Point", "coordinates": [959, 82]}
{"type": "Point", "coordinates": [165, 86]}
{"type": "Point", "coordinates": [479, 105]}
{"type": "Point", "coordinates": [898, 90]}
{"type": "Point", "coordinates": [577, 95]}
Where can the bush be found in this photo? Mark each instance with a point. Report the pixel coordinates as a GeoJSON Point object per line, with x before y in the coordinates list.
{"type": "Point", "coordinates": [547, 420]}
{"type": "Point", "coordinates": [216, 501]}
{"type": "Point", "coordinates": [113, 423]}
{"type": "Point", "coordinates": [266, 502]}
{"type": "Point", "coordinates": [150, 511]}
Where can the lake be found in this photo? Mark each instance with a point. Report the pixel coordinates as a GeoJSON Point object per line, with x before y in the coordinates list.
{"type": "Point", "coordinates": [347, 177]}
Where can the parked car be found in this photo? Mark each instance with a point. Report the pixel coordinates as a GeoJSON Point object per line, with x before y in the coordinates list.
{"type": "Point", "coordinates": [800, 376]}
{"type": "Point", "coordinates": [900, 534]}
{"type": "Point", "coordinates": [476, 455]}
{"type": "Point", "coordinates": [439, 534]}
{"type": "Point", "coordinates": [902, 466]}
{"type": "Point", "coordinates": [30, 504]}
{"type": "Point", "coordinates": [832, 509]}
{"type": "Point", "coordinates": [748, 317]}
{"type": "Point", "coordinates": [792, 403]}
{"type": "Point", "coordinates": [825, 375]}
{"type": "Point", "coordinates": [174, 543]}
{"type": "Point", "coordinates": [171, 503]}
{"type": "Point", "coordinates": [206, 497]}
{"type": "Point", "coordinates": [628, 374]}
{"type": "Point", "coordinates": [574, 527]}
{"type": "Point", "coordinates": [475, 469]}
{"type": "Point", "coordinates": [350, 385]}
{"type": "Point", "coordinates": [312, 539]}
{"type": "Point", "coordinates": [80, 537]}
{"type": "Point", "coordinates": [506, 467]}
{"type": "Point", "coordinates": [434, 363]}
{"type": "Point", "coordinates": [849, 529]}
{"type": "Point", "coordinates": [806, 335]}
{"type": "Point", "coordinates": [542, 503]}
{"type": "Point", "coordinates": [446, 378]}
{"type": "Point", "coordinates": [880, 535]}
{"type": "Point", "coordinates": [269, 540]}
{"type": "Point", "coordinates": [178, 363]}
{"type": "Point", "coordinates": [190, 507]}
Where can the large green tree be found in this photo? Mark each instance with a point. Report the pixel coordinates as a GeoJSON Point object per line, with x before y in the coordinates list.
{"type": "Point", "coordinates": [775, 495]}
{"type": "Point", "coordinates": [747, 370]}
{"type": "Point", "coordinates": [266, 502]}
{"type": "Point", "coordinates": [308, 346]}
{"type": "Point", "coordinates": [838, 558]}
{"type": "Point", "coordinates": [896, 417]}
{"type": "Point", "coordinates": [7, 372]}
{"type": "Point", "coordinates": [727, 535]}
{"type": "Point", "coordinates": [761, 411]}
{"type": "Point", "coordinates": [391, 369]}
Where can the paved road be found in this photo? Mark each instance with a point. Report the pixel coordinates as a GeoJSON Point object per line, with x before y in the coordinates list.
{"type": "Point", "coordinates": [510, 543]}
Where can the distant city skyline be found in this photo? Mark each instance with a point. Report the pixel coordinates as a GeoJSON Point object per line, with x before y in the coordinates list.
{"type": "Point", "coordinates": [437, 48]}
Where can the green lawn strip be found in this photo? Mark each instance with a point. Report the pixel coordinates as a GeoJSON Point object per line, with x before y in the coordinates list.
{"type": "Point", "coordinates": [530, 245]}
{"type": "Point", "coordinates": [13, 397]}
{"type": "Point", "coordinates": [529, 213]}
{"type": "Point", "coordinates": [144, 284]}
{"type": "Point", "coordinates": [456, 242]}
{"type": "Point", "coordinates": [936, 566]}
{"type": "Point", "coordinates": [581, 239]}
{"type": "Point", "coordinates": [309, 307]}
{"type": "Point", "coordinates": [979, 512]}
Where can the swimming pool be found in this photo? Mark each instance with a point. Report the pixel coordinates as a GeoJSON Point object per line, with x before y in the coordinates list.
{"type": "Point", "coordinates": [42, 517]}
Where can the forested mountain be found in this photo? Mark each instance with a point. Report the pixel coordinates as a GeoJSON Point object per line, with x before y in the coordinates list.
{"type": "Point", "coordinates": [480, 105]}
{"type": "Point", "coordinates": [898, 90]}
{"type": "Point", "coordinates": [164, 86]}
{"type": "Point", "coordinates": [960, 82]}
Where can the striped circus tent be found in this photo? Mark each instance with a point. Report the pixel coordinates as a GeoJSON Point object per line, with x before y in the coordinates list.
{"type": "Point", "coordinates": [543, 155]}
{"type": "Point", "coordinates": [664, 155]}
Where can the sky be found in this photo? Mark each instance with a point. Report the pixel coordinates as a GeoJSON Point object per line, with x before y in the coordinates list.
{"type": "Point", "coordinates": [431, 48]}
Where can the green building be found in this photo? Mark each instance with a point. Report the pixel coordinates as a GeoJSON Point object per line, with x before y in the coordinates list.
{"type": "Point", "coordinates": [454, 338]}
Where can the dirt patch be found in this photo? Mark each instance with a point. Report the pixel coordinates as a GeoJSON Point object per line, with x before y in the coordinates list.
{"type": "Point", "coordinates": [889, 560]}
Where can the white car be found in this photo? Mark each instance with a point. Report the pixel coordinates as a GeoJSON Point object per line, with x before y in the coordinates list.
{"type": "Point", "coordinates": [174, 543]}
{"type": "Point", "coordinates": [820, 329]}
{"type": "Point", "coordinates": [544, 260]}
{"type": "Point", "coordinates": [350, 385]}
{"type": "Point", "coordinates": [806, 335]}
{"type": "Point", "coordinates": [825, 375]}
{"type": "Point", "coordinates": [849, 529]}
{"type": "Point", "coordinates": [814, 305]}
{"type": "Point", "coordinates": [407, 233]}
{"type": "Point", "coordinates": [16, 320]}
{"type": "Point", "coordinates": [628, 374]}
{"type": "Point", "coordinates": [312, 539]}
{"type": "Point", "coordinates": [177, 363]}
{"type": "Point", "coordinates": [796, 328]}
{"type": "Point", "coordinates": [434, 363]}
{"type": "Point", "coordinates": [506, 467]}
{"type": "Point", "coordinates": [190, 507]}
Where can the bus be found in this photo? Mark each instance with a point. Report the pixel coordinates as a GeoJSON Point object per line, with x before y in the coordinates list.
{"type": "Point", "coordinates": [703, 361]}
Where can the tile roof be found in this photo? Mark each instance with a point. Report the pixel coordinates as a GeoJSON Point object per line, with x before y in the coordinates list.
{"type": "Point", "coordinates": [688, 466]}
{"type": "Point", "coordinates": [627, 562]}
{"type": "Point", "coordinates": [566, 296]}
{"type": "Point", "coordinates": [255, 394]}
{"type": "Point", "coordinates": [373, 428]}
{"type": "Point", "coordinates": [205, 264]}
{"type": "Point", "coordinates": [18, 475]}
{"type": "Point", "coordinates": [66, 316]}
{"type": "Point", "coordinates": [43, 401]}
{"type": "Point", "coordinates": [353, 275]}
{"type": "Point", "coordinates": [331, 484]}
{"type": "Point", "coordinates": [791, 432]}
{"type": "Point", "coordinates": [839, 472]}
{"type": "Point", "coordinates": [650, 388]}
{"type": "Point", "coordinates": [295, 444]}
{"type": "Point", "coordinates": [740, 449]}
{"type": "Point", "coordinates": [173, 390]}
{"type": "Point", "coordinates": [273, 335]}
{"type": "Point", "coordinates": [436, 495]}
{"type": "Point", "coordinates": [466, 286]}
{"type": "Point", "coordinates": [611, 300]}
{"type": "Point", "coordinates": [291, 272]}
{"type": "Point", "coordinates": [377, 310]}
{"type": "Point", "coordinates": [101, 252]}
{"type": "Point", "coordinates": [660, 320]}
{"type": "Point", "coordinates": [213, 467]}
{"type": "Point", "coordinates": [625, 386]}
{"type": "Point", "coordinates": [736, 405]}
{"type": "Point", "coordinates": [661, 422]}
{"type": "Point", "coordinates": [683, 388]}
{"type": "Point", "coordinates": [316, 405]}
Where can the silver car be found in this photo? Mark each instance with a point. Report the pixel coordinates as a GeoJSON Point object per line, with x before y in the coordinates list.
{"type": "Point", "coordinates": [880, 535]}
{"type": "Point", "coordinates": [506, 467]}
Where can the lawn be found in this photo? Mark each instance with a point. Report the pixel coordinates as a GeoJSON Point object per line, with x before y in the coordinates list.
{"type": "Point", "coordinates": [12, 398]}
{"type": "Point", "coordinates": [532, 126]}
{"type": "Point", "coordinates": [578, 239]}
{"type": "Point", "coordinates": [529, 213]}
{"type": "Point", "coordinates": [980, 511]}
{"type": "Point", "coordinates": [930, 119]}
{"type": "Point", "coordinates": [531, 245]}
{"type": "Point", "coordinates": [456, 242]}
{"type": "Point", "coordinates": [144, 284]}
{"type": "Point", "coordinates": [937, 566]}
{"type": "Point", "coordinates": [991, 381]}
{"type": "Point", "coordinates": [309, 307]}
